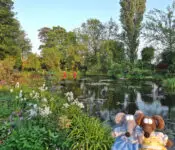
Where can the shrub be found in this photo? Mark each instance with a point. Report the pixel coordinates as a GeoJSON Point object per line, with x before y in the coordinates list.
{"type": "Point", "coordinates": [36, 138]}
{"type": "Point", "coordinates": [115, 69]}
{"type": "Point", "coordinates": [6, 69]}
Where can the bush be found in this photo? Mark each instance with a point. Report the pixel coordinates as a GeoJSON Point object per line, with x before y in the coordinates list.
{"type": "Point", "coordinates": [115, 69]}
{"type": "Point", "coordinates": [6, 69]}
{"type": "Point", "coordinates": [35, 138]}
{"type": "Point", "coordinates": [137, 73]}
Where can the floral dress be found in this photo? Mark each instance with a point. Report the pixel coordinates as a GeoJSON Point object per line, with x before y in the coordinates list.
{"type": "Point", "coordinates": [156, 141]}
{"type": "Point", "coordinates": [126, 143]}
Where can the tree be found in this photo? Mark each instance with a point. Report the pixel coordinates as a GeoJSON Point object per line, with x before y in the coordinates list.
{"type": "Point", "coordinates": [55, 37]}
{"type": "Point", "coordinates": [160, 28]}
{"type": "Point", "coordinates": [32, 62]}
{"type": "Point", "coordinates": [13, 40]}
{"type": "Point", "coordinates": [93, 29]}
{"type": "Point", "coordinates": [64, 44]}
{"type": "Point", "coordinates": [43, 34]}
{"type": "Point", "coordinates": [6, 68]}
{"type": "Point", "coordinates": [114, 49]}
{"type": "Point", "coordinates": [24, 43]}
{"type": "Point", "coordinates": [9, 29]}
{"type": "Point", "coordinates": [51, 58]}
{"type": "Point", "coordinates": [110, 30]}
{"type": "Point", "coordinates": [147, 54]}
{"type": "Point", "coordinates": [131, 17]}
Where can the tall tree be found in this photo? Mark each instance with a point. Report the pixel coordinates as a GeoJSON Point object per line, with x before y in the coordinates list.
{"type": "Point", "coordinates": [131, 18]}
{"type": "Point", "coordinates": [9, 29]}
{"type": "Point", "coordinates": [147, 54]}
{"type": "Point", "coordinates": [111, 52]}
{"type": "Point", "coordinates": [160, 29]}
{"type": "Point", "coordinates": [24, 43]}
{"type": "Point", "coordinates": [93, 29]}
{"type": "Point", "coordinates": [113, 48]}
{"type": "Point", "coordinates": [110, 30]}
{"type": "Point", "coordinates": [13, 40]}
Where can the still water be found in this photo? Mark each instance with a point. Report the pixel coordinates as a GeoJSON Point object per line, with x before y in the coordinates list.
{"type": "Point", "coordinates": [104, 97]}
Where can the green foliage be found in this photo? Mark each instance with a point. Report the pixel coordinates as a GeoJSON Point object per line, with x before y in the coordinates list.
{"type": "Point", "coordinates": [51, 58]}
{"type": "Point", "coordinates": [61, 43]}
{"type": "Point", "coordinates": [32, 62]}
{"type": "Point", "coordinates": [113, 50]}
{"type": "Point", "coordinates": [49, 132]}
{"type": "Point", "coordinates": [147, 54]}
{"type": "Point", "coordinates": [4, 130]}
{"type": "Point", "coordinates": [171, 68]}
{"type": "Point", "coordinates": [12, 42]}
{"type": "Point", "coordinates": [34, 138]}
{"type": "Point", "coordinates": [88, 133]}
{"type": "Point", "coordinates": [169, 83]}
{"type": "Point", "coordinates": [115, 69]}
{"type": "Point", "coordinates": [93, 29]}
{"type": "Point", "coordinates": [168, 57]}
{"type": "Point", "coordinates": [6, 69]}
{"type": "Point", "coordinates": [137, 73]}
{"type": "Point", "coordinates": [131, 18]}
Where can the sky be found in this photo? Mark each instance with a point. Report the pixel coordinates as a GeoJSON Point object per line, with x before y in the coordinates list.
{"type": "Point", "coordinates": [69, 14]}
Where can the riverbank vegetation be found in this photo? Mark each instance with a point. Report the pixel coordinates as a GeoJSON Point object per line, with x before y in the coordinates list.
{"type": "Point", "coordinates": [32, 117]}
{"type": "Point", "coordinates": [37, 119]}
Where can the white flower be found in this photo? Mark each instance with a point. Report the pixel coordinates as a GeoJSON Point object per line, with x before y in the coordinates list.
{"type": "Point", "coordinates": [20, 94]}
{"type": "Point", "coordinates": [66, 105]}
{"type": "Point", "coordinates": [11, 90]}
{"type": "Point", "coordinates": [31, 94]}
{"type": "Point", "coordinates": [32, 113]}
{"type": "Point", "coordinates": [66, 94]}
{"type": "Point", "coordinates": [35, 106]}
{"type": "Point", "coordinates": [41, 89]}
{"type": "Point", "coordinates": [44, 112]}
{"type": "Point", "coordinates": [44, 99]}
{"type": "Point", "coordinates": [80, 105]}
{"type": "Point", "coordinates": [17, 85]}
{"type": "Point", "coordinates": [36, 96]}
{"type": "Point", "coordinates": [69, 99]}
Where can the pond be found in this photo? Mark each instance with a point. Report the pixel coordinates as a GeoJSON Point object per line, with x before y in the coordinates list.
{"type": "Point", "coordinates": [104, 97]}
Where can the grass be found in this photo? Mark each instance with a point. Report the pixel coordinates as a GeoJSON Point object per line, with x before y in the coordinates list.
{"type": "Point", "coordinates": [169, 83]}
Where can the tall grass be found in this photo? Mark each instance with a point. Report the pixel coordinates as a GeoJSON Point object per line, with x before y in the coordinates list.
{"type": "Point", "coordinates": [89, 133]}
{"type": "Point", "coordinates": [169, 83]}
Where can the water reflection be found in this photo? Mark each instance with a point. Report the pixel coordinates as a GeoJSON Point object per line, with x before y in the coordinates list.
{"type": "Point", "coordinates": [104, 97]}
